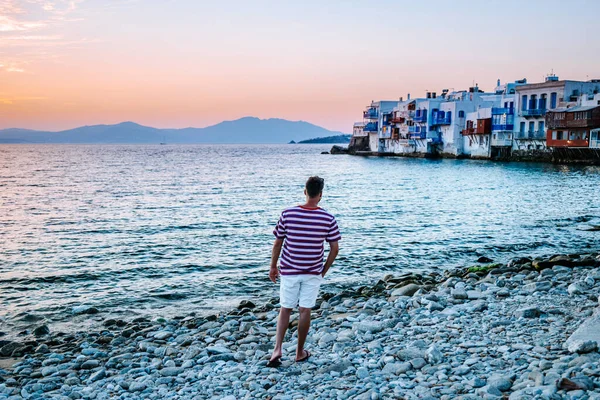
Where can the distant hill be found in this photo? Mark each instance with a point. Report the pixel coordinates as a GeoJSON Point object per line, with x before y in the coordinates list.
{"type": "Point", "coordinates": [328, 139]}
{"type": "Point", "coordinates": [244, 130]}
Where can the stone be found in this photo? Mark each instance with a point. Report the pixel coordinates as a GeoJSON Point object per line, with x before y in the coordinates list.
{"type": "Point", "coordinates": [500, 382]}
{"type": "Point", "coordinates": [407, 290]}
{"type": "Point", "coordinates": [433, 355]}
{"type": "Point", "coordinates": [162, 335]}
{"type": "Point", "coordinates": [396, 368]}
{"type": "Point", "coordinates": [137, 386]}
{"type": "Point", "coordinates": [541, 286]}
{"type": "Point", "coordinates": [47, 371]}
{"type": "Point", "coordinates": [584, 337]}
{"type": "Point", "coordinates": [484, 260]}
{"type": "Point", "coordinates": [217, 350]}
{"type": "Point", "coordinates": [581, 382]}
{"type": "Point", "coordinates": [582, 346]}
{"type": "Point", "coordinates": [528, 312]}
{"type": "Point", "coordinates": [575, 289]}
{"type": "Point", "coordinates": [41, 330]}
{"type": "Point", "coordinates": [96, 376]}
{"type": "Point", "coordinates": [170, 371]}
{"type": "Point", "coordinates": [246, 304]}
{"type": "Point", "coordinates": [459, 294]}
{"type": "Point", "coordinates": [90, 364]}
{"type": "Point", "coordinates": [418, 363]}
{"type": "Point", "coordinates": [362, 373]}
{"type": "Point", "coordinates": [85, 309]}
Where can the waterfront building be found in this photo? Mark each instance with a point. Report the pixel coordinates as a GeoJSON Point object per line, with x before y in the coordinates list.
{"type": "Point", "coordinates": [532, 101]}
{"type": "Point", "coordinates": [477, 133]}
{"type": "Point", "coordinates": [373, 121]}
{"type": "Point", "coordinates": [573, 127]}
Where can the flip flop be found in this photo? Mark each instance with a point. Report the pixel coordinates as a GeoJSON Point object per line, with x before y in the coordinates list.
{"type": "Point", "coordinates": [274, 363]}
{"type": "Point", "coordinates": [305, 358]}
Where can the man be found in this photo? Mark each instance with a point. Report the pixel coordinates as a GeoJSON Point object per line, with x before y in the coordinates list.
{"type": "Point", "coordinates": [301, 233]}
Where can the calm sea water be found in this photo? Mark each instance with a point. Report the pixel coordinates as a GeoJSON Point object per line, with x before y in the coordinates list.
{"type": "Point", "coordinates": [168, 230]}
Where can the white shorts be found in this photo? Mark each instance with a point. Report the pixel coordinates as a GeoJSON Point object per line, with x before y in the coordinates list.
{"type": "Point", "coordinates": [299, 290]}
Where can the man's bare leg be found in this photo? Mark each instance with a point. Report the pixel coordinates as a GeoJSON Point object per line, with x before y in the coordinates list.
{"type": "Point", "coordinates": [282, 325]}
{"type": "Point", "coordinates": [303, 327]}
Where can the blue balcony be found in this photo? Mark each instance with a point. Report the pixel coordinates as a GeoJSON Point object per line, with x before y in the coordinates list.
{"type": "Point", "coordinates": [370, 127]}
{"type": "Point", "coordinates": [502, 111]}
{"type": "Point", "coordinates": [536, 112]}
{"type": "Point", "coordinates": [417, 132]}
{"type": "Point", "coordinates": [418, 135]}
{"type": "Point", "coordinates": [420, 117]}
{"type": "Point", "coordinates": [371, 113]}
{"type": "Point", "coordinates": [441, 118]}
{"type": "Point", "coordinates": [503, 127]}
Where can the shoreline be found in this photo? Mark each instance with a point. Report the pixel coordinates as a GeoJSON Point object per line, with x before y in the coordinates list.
{"type": "Point", "coordinates": [536, 156]}
{"type": "Point", "coordinates": [491, 330]}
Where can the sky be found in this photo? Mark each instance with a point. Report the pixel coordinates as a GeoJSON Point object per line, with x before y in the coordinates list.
{"type": "Point", "coordinates": [181, 63]}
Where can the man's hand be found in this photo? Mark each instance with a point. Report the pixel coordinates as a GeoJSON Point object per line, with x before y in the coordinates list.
{"type": "Point", "coordinates": [273, 274]}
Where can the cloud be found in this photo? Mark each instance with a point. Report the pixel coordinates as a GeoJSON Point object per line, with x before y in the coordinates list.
{"type": "Point", "coordinates": [14, 69]}
{"type": "Point", "coordinates": [8, 24]}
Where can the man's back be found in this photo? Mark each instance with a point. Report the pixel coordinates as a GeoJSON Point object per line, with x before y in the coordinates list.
{"type": "Point", "coordinates": [304, 231]}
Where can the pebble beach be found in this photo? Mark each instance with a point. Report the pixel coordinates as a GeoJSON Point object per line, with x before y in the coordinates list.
{"type": "Point", "coordinates": [524, 329]}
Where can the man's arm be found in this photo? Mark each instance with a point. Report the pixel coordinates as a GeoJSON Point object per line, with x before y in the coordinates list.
{"type": "Point", "coordinates": [274, 272]}
{"type": "Point", "coordinates": [334, 249]}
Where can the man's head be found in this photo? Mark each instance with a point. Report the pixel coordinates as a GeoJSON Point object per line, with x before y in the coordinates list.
{"type": "Point", "coordinates": [314, 187]}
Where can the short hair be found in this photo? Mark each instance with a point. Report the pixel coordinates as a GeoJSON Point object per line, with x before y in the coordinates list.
{"type": "Point", "coordinates": [314, 186]}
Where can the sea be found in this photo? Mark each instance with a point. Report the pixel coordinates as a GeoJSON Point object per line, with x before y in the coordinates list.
{"type": "Point", "coordinates": [164, 231]}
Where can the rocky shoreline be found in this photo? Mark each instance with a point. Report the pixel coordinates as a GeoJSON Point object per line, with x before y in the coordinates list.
{"type": "Point", "coordinates": [521, 330]}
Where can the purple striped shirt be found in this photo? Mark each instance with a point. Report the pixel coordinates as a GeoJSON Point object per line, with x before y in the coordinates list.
{"type": "Point", "coordinates": [304, 231]}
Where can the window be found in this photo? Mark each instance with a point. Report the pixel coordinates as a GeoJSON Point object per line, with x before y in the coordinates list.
{"type": "Point", "coordinates": [552, 100]}
{"type": "Point", "coordinates": [524, 102]}
{"type": "Point", "coordinates": [533, 102]}
{"type": "Point", "coordinates": [542, 105]}
{"type": "Point", "coordinates": [553, 135]}
{"type": "Point", "coordinates": [522, 128]}
{"type": "Point", "coordinates": [461, 113]}
{"type": "Point", "coordinates": [541, 126]}
{"type": "Point", "coordinates": [531, 126]}
{"type": "Point", "coordinates": [559, 135]}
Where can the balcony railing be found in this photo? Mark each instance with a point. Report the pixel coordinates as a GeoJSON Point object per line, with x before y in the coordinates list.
{"type": "Point", "coordinates": [397, 120]}
{"type": "Point", "coordinates": [370, 127]}
{"type": "Point", "coordinates": [503, 127]}
{"type": "Point", "coordinates": [531, 135]}
{"type": "Point", "coordinates": [468, 131]}
{"type": "Point", "coordinates": [502, 111]}
{"type": "Point", "coordinates": [502, 139]}
{"type": "Point", "coordinates": [418, 135]}
{"type": "Point", "coordinates": [595, 144]}
{"type": "Point", "coordinates": [536, 112]}
{"type": "Point", "coordinates": [411, 114]}
{"type": "Point", "coordinates": [371, 114]}
{"type": "Point", "coordinates": [436, 120]}
{"type": "Point", "coordinates": [420, 117]}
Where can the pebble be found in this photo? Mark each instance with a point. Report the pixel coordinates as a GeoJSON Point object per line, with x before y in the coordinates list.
{"type": "Point", "coordinates": [473, 334]}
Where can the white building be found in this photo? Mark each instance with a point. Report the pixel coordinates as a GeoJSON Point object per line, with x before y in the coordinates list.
{"type": "Point", "coordinates": [532, 101]}
{"type": "Point", "coordinates": [373, 118]}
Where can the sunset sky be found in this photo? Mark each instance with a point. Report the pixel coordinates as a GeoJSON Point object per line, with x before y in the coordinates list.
{"type": "Point", "coordinates": [180, 63]}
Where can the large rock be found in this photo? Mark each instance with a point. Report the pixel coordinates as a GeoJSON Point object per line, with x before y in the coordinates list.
{"type": "Point", "coordinates": [407, 290]}
{"type": "Point", "coordinates": [528, 312]}
{"type": "Point", "coordinates": [396, 368]}
{"type": "Point", "coordinates": [585, 336]}
{"type": "Point", "coordinates": [338, 150]}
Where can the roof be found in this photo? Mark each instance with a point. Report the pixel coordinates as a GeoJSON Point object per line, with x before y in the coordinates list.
{"type": "Point", "coordinates": [574, 109]}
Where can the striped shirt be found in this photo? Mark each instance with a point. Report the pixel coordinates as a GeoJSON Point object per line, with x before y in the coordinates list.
{"type": "Point", "coordinates": [304, 231]}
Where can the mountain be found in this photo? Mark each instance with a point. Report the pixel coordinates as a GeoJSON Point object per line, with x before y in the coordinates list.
{"type": "Point", "coordinates": [328, 139]}
{"type": "Point", "coordinates": [243, 130]}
